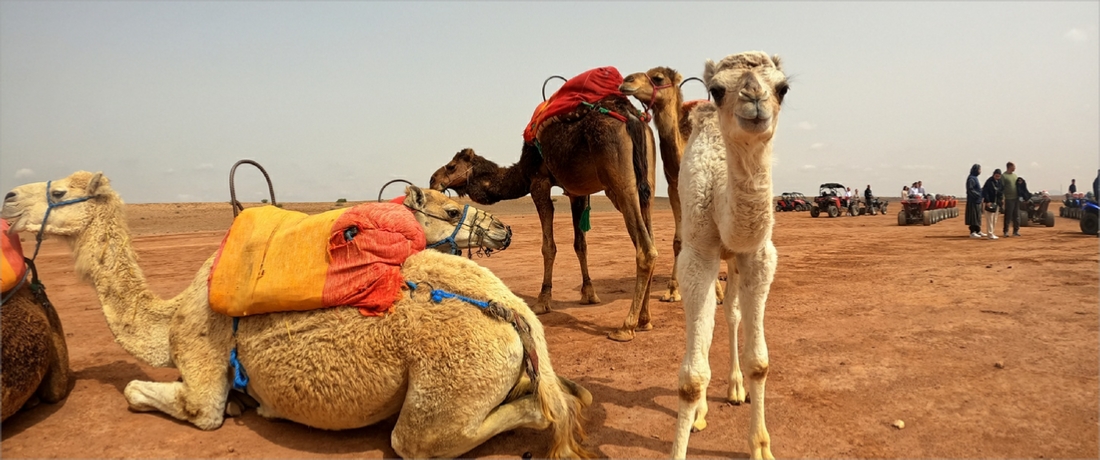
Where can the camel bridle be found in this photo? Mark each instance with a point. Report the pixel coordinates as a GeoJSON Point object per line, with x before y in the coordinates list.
{"type": "Point", "coordinates": [479, 233]}
{"type": "Point", "coordinates": [50, 204]}
{"type": "Point", "coordinates": [653, 95]}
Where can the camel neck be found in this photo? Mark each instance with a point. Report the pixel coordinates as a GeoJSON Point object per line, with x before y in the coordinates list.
{"type": "Point", "coordinates": [666, 116]}
{"type": "Point", "coordinates": [491, 183]}
{"type": "Point", "coordinates": [749, 164]}
{"type": "Point", "coordinates": [104, 255]}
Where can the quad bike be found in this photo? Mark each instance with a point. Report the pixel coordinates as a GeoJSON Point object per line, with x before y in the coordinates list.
{"type": "Point", "coordinates": [831, 200]}
{"type": "Point", "coordinates": [1034, 212]}
{"type": "Point", "coordinates": [1090, 218]}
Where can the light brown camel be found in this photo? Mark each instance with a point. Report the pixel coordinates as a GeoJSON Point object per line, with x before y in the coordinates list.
{"type": "Point", "coordinates": [448, 369]}
{"type": "Point", "coordinates": [728, 213]}
{"type": "Point", "coordinates": [583, 152]}
{"type": "Point", "coordinates": [659, 90]}
{"type": "Point", "coordinates": [35, 357]}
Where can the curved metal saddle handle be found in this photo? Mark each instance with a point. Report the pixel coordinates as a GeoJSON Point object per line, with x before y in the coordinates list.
{"type": "Point", "coordinates": [237, 206]}
{"type": "Point", "coordinates": [387, 184]}
{"type": "Point", "coordinates": [548, 81]}
{"type": "Point", "coordinates": [696, 79]}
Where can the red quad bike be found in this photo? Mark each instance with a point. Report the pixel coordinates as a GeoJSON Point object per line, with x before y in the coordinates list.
{"type": "Point", "coordinates": [831, 200]}
{"type": "Point", "coordinates": [929, 210]}
{"type": "Point", "coordinates": [789, 201]}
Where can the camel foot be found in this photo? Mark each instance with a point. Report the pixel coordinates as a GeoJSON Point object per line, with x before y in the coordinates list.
{"type": "Point", "coordinates": [736, 394]}
{"type": "Point", "coordinates": [138, 400]}
{"type": "Point", "coordinates": [540, 308]}
{"type": "Point", "coordinates": [621, 335]}
{"type": "Point", "coordinates": [646, 326]}
{"type": "Point", "coordinates": [699, 425]}
{"type": "Point", "coordinates": [761, 452]}
{"type": "Point", "coordinates": [670, 296]}
{"type": "Point", "coordinates": [590, 299]}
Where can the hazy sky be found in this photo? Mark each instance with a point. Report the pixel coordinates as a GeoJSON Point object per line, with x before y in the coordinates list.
{"type": "Point", "coordinates": [335, 99]}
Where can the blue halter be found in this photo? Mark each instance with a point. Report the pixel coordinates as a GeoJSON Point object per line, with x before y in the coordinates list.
{"type": "Point", "coordinates": [38, 238]}
{"type": "Point", "coordinates": [451, 239]}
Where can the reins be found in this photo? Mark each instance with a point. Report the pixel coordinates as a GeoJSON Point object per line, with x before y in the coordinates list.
{"type": "Point", "coordinates": [38, 245]}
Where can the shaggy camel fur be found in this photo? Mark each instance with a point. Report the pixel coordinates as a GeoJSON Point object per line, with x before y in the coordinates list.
{"type": "Point", "coordinates": [35, 358]}
{"type": "Point", "coordinates": [727, 206]}
{"type": "Point", "coordinates": [446, 368]}
{"type": "Point", "coordinates": [583, 152]}
{"type": "Point", "coordinates": [659, 90]}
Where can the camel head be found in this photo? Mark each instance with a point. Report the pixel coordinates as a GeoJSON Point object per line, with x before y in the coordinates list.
{"type": "Point", "coordinates": [451, 227]}
{"type": "Point", "coordinates": [455, 174]}
{"type": "Point", "coordinates": [658, 86]}
{"type": "Point", "coordinates": [70, 202]}
{"type": "Point", "coordinates": [748, 89]}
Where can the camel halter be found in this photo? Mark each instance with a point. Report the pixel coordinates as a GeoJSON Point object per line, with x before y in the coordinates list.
{"type": "Point", "coordinates": [476, 231]}
{"type": "Point", "coordinates": [35, 285]}
{"type": "Point", "coordinates": [652, 96]}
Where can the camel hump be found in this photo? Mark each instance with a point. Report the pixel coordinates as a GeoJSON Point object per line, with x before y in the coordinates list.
{"type": "Point", "coordinates": [273, 260]}
{"type": "Point", "coordinates": [13, 267]}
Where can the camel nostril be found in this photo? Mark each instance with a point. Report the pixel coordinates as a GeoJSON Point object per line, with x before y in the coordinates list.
{"type": "Point", "coordinates": [9, 196]}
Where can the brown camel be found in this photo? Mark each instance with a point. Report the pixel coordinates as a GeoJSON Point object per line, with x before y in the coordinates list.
{"type": "Point", "coordinates": [659, 90]}
{"type": "Point", "coordinates": [35, 358]}
{"type": "Point", "coordinates": [583, 152]}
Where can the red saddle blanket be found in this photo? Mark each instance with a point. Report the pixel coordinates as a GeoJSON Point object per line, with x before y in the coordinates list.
{"type": "Point", "coordinates": [273, 260]}
{"type": "Point", "coordinates": [12, 267]}
{"type": "Point", "coordinates": [590, 86]}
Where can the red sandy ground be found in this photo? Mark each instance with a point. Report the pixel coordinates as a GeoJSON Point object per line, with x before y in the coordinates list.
{"type": "Point", "coordinates": [867, 323]}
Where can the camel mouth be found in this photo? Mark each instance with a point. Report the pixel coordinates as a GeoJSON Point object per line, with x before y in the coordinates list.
{"type": "Point", "coordinates": [754, 125]}
{"type": "Point", "coordinates": [627, 91]}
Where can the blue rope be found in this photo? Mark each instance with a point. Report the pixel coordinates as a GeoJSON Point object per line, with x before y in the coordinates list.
{"type": "Point", "coordinates": [240, 378]}
{"type": "Point", "coordinates": [438, 295]}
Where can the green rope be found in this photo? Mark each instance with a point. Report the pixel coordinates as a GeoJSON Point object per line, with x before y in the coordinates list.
{"type": "Point", "coordinates": [586, 223]}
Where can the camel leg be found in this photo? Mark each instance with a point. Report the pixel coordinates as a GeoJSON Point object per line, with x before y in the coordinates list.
{"type": "Point", "coordinates": [580, 246]}
{"type": "Point", "coordinates": [645, 255]}
{"type": "Point", "coordinates": [699, 270]}
{"type": "Point", "coordinates": [444, 437]}
{"type": "Point", "coordinates": [757, 270]}
{"type": "Point", "coordinates": [736, 393]}
{"type": "Point", "coordinates": [55, 385]}
{"type": "Point", "coordinates": [672, 175]}
{"type": "Point", "coordinates": [200, 398]}
{"type": "Point", "coordinates": [540, 194]}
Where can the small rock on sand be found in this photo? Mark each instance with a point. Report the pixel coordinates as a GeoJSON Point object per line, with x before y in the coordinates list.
{"type": "Point", "coordinates": [899, 424]}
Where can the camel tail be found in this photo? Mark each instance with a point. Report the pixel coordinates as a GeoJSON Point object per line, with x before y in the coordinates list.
{"type": "Point", "coordinates": [560, 399]}
{"type": "Point", "coordinates": [636, 129]}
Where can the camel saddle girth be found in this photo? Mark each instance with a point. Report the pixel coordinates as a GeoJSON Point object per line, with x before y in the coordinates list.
{"type": "Point", "coordinates": [273, 260]}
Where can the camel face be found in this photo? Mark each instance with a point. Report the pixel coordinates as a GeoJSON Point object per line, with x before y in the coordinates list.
{"type": "Point", "coordinates": [440, 216]}
{"type": "Point", "coordinates": [748, 89]}
{"type": "Point", "coordinates": [25, 206]}
{"type": "Point", "coordinates": [455, 173]}
{"type": "Point", "coordinates": [641, 85]}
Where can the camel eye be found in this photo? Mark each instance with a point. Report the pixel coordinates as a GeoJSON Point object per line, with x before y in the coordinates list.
{"type": "Point", "coordinates": [450, 167]}
{"type": "Point", "coordinates": [453, 213]}
{"type": "Point", "coordinates": [57, 194]}
{"type": "Point", "coordinates": [782, 89]}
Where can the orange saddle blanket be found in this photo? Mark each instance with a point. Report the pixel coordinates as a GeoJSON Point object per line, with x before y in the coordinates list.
{"type": "Point", "coordinates": [13, 267]}
{"type": "Point", "coordinates": [273, 260]}
{"type": "Point", "coordinates": [590, 87]}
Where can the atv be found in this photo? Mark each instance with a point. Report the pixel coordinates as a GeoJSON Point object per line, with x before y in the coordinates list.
{"type": "Point", "coordinates": [831, 200]}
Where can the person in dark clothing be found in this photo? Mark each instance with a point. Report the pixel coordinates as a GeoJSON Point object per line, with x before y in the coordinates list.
{"type": "Point", "coordinates": [1012, 202]}
{"type": "Point", "coordinates": [1073, 186]}
{"type": "Point", "coordinates": [1096, 187]}
{"type": "Point", "coordinates": [991, 201]}
{"type": "Point", "coordinates": [974, 202]}
{"type": "Point", "coordinates": [1021, 189]}
{"type": "Point", "coordinates": [867, 196]}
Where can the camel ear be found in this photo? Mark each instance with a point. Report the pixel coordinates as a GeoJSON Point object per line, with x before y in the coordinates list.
{"type": "Point", "coordinates": [414, 197]}
{"type": "Point", "coordinates": [778, 62]}
{"type": "Point", "coordinates": [708, 72]}
{"type": "Point", "coordinates": [96, 182]}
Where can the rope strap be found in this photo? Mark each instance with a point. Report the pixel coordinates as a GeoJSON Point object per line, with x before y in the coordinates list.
{"type": "Point", "coordinates": [240, 378]}
{"type": "Point", "coordinates": [530, 360]}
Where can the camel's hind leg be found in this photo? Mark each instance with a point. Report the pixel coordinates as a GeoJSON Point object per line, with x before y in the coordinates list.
{"type": "Point", "coordinates": [736, 392]}
{"type": "Point", "coordinates": [540, 194]}
{"type": "Point", "coordinates": [645, 254]}
{"type": "Point", "coordinates": [757, 270]}
{"type": "Point", "coordinates": [446, 437]}
{"type": "Point", "coordinates": [580, 246]}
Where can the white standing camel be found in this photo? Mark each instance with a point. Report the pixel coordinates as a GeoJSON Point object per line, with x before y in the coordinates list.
{"type": "Point", "coordinates": [726, 192]}
{"type": "Point", "coordinates": [455, 374]}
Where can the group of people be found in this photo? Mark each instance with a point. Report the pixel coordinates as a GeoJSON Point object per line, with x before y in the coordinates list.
{"type": "Point", "coordinates": [1001, 190]}
{"type": "Point", "coordinates": [915, 191]}
{"type": "Point", "coordinates": [867, 195]}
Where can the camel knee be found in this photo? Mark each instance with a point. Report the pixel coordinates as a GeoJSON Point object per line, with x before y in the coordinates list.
{"type": "Point", "coordinates": [756, 369]}
{"type": "Point", "coordinates": [693, 386]}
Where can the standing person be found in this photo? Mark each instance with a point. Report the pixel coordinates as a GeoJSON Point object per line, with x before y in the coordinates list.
{"type": "Point", "coordinates": [991, 199]}
{"type": "Point", "coordinates": [867, 197]}
{"type": "Point", "coordinates": [1012, 200]}
{"type": "Point", "coordinates": [1073, 186]}
{"type": "Point", "coordinates": [974, 201]}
